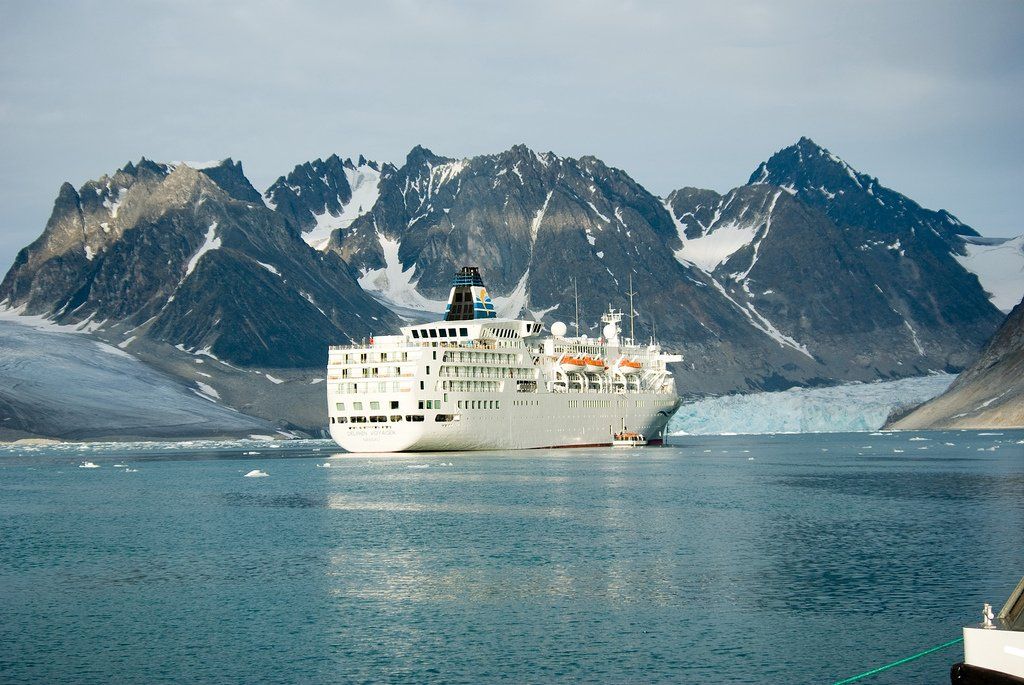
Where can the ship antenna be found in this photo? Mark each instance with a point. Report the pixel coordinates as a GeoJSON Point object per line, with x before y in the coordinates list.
{"type": "Point", "coordinates": [576, 295]}
{"type": "Point", "coordinates": [631, 310]}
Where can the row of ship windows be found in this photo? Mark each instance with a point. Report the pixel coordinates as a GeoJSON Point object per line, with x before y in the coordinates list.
{"type": "Point", "coordinates": [374, 406]}
{"type": "Point", "coordinates": [395, 418]}
{"type": "Point", "coordinates": [484, 372]}
{"type": "Point", "coordinates": [525, 403]}
{"type": "Point", "coordinates": [373, 372]}
{"type": "Point", "coordinates": [471, 386]}
{"type": "Point", "coordinates": [364, 357]}
{"type": "Point", "coordinates": [479, 404]}
{"type": "Point", "coordinates": [380, 386]}
{"type": "Point", "coordinates": [440, 333]}
{"type": "Point", "coordinates": [573, 404]}
{"type": "Point", "coordinates": [490, 357]}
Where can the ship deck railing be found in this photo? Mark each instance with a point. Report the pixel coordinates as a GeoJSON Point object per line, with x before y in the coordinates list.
{"type": "Point", "coordinates": [406, 344]}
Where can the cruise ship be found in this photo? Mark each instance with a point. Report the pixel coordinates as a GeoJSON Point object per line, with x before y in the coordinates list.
{"type": "Point", "coordinates": [473, 381]}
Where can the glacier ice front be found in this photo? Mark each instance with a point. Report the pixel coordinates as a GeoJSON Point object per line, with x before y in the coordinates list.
{"type": "Point", "coordinates": [844, 408]}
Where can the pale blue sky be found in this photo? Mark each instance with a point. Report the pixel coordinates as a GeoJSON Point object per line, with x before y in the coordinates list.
{"type": "Point", "coordinates": [928, 96]}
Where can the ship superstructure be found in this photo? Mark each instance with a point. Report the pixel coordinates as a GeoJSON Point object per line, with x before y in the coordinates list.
{"type": "Point", "coordinates": [474, 381]}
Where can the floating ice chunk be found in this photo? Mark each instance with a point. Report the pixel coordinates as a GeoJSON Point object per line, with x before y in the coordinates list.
{"type": "Point", "coordinates": [920, 440]}
{"type": "Point", "coordinates": [325, 465]}
{"type": "Point", "coordinates": [256, 473]}
{"type": "Point", "coordinates": [120, 466]}
{"type": "Point", "coordinates": [418, 466]}
{"type": "Point", "coordinates": [989, 433]}
{"type": "Point", "coordinates": [131, 470]}
{"type": "Point", "coordinates": [88, 465]}
{"type": "Point", "coordinates": [897, 451]}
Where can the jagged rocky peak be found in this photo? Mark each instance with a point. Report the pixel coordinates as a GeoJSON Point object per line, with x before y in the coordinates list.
{"type": "Point", "coordinates": [185, 261]}
{"type": "Point", "coordinates": [821, 178]}
{"type": "Point", "coordinates": [806, 166]}
{"type": "Point", "coordinates": [228, 174]}
{"type": "Point", "coordinates": [423, 155]}
{"type": "Point", "coordinates": [317, 198]}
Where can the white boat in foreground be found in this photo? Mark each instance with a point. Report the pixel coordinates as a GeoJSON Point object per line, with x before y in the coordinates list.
{"type": "Point", "coordinates": [473, 381]}
{"type": "Point", "coordinates": [994, 649]}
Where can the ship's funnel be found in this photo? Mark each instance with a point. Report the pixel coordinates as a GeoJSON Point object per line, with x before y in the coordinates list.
{"type": "Point", "coordinates": [468, 298]}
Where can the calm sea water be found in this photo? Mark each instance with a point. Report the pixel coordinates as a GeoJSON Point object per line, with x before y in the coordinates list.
{"type": "Point", "coordinates": [790, 558]}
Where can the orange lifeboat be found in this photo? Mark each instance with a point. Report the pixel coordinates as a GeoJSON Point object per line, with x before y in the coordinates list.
{"type": "Point", "coordinates": [593, 365]}
{"type": "Point", "coordinates": [628, 366]}
{"type": "Point", "coordinates": [571, 365]}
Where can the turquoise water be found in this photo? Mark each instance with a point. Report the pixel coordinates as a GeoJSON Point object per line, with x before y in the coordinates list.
{"type": "Point", "coordinates": [788, 558]}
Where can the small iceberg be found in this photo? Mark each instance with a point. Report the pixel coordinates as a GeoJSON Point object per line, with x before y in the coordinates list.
{"type": "Point", "coordinates": [324, 465]}
{"type": "Point", "coordinates": [250, 453]}
{"type": "Point", "coordinates": [256, 473]}
{"type": "Point", "coordinates": [127, 470]}
{"type": "Point", "coordinates": [418, 466]}
{"type": "Point", "coordinates": [88, 465]}
{"type": "Point", "coordinates": [120, 466]}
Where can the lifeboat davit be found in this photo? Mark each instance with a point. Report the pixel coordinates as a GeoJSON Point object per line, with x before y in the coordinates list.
{"type": "Point", "coordinates": [571, 365]}
{"type": "Point", "coordinates": [593, 365]}
{"type": "Point", "coordinates": [628, 366]}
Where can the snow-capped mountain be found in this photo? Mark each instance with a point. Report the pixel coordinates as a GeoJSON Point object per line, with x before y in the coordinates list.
{"type": "Point", "coordinates": [168, 253]}
{"type": "Point", "coordinates": [831, 262]}
{"type": "Point", "coordinates": [322, 196]}
{"type": "Point", "coordinates": [809, 273]}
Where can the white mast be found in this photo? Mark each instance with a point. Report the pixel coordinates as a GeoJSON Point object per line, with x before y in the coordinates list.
{"type": "Point", "coordinates": [576, 295]}
{"type": "Point", "coordinates": [631, 310]}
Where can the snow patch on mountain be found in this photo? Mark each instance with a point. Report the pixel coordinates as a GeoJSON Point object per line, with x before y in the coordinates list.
{"type": "Point", "coordinates": [999, 265]}
{"type": "Point", "coordinates": [211, 242]}
{"type": "Point", "coordinates": [365, 184]}
{"type": "Point", "coordinates": [510, 306]}
{"type": "Point", "coordinates": [843, 408]}
{"type": "Point", "coordinates": [715, 247]}
{"type": "Point", "coordinates": [393, 284]}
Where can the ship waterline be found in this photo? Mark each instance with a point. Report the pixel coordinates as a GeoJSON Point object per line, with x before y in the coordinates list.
{"type": "Point", "coordinates": [474, 382]}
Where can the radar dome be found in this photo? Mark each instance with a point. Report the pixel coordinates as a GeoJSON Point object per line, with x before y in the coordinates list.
{"type": "Point", "coordinates": [609, 331]}
{"type": "Point", "coordinates": [558, 329]}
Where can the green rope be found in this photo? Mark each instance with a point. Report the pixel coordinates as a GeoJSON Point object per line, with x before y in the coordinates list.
{"type": "Point", "coordinates": [897, 663]}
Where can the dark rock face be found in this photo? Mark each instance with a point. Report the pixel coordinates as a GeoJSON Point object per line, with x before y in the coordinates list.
{"type": "Point", "coordinates": [171, 255]}
{"type": "Point", "coordinates": [231, 179]}
{"type": "Point", "coordinates": [989, 393]}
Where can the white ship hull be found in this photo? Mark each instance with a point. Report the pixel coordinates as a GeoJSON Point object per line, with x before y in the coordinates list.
{"type": "Point", "coordinates": [544, 420]}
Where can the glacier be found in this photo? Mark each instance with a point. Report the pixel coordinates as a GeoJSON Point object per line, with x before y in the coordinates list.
{"type": "Point", "coordinates": [842, 408]}
{"type": "Point", "coordinates": [57, 382]}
